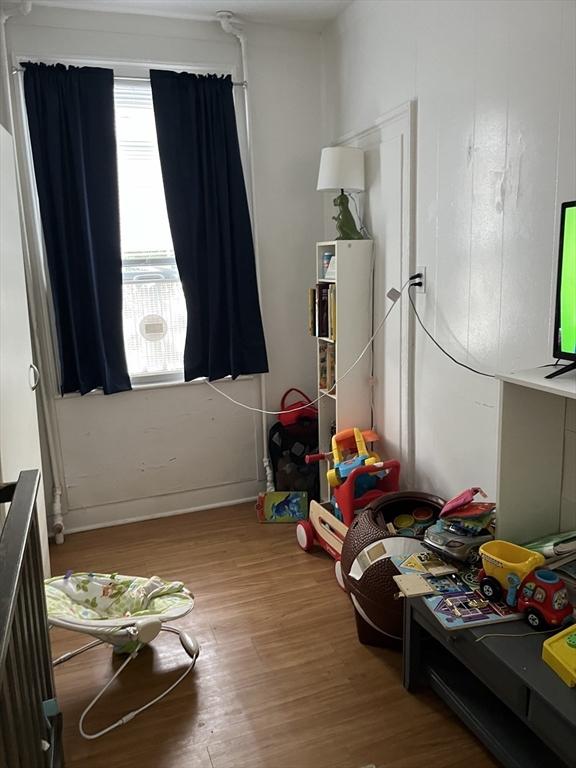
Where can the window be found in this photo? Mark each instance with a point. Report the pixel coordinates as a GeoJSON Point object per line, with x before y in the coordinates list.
{"type": "Point", "coordinates": [154, 310]}
{"type": "Point", "coordinates": [539, 595]}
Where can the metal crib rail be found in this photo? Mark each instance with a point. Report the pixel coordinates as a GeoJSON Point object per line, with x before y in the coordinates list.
{"type": "Point", "coordinates": [29, 736]}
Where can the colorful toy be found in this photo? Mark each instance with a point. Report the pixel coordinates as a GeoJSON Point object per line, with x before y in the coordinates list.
{"type": "Point", "coordinates": [514, 572]}
{"type": "Point", "coordinates": [462, 527]}
{"type": "Point", "coordinates": [466, 516]}
{"type": "Point", "coordinates": [357, 478]}
{"type": "Point", "coordinates": [282, 506]}
{"type": "Point", "coordinates": [559, 652]}
{"type": "Point", "coordinates": [353, 482]}
{"type": "Point", "coordinates": [454, 546]}
{"type": "Point", "coordinates": [349, 451]}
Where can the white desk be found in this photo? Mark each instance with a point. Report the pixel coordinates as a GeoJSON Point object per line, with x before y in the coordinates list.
{"type": "Point", "coordinates": [537, 455]}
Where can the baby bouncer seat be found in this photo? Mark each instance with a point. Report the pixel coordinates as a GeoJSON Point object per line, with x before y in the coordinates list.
{"type": "Point", "coordinates": [127, 612]}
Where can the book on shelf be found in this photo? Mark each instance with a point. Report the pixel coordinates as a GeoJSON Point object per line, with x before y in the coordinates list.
{"type": "Point", "coordinates": [312, 311]}
{"type": "Point", "coordinates": [332, 312]}
{"type": "Point", "coordinates": [322, 290]}
{"type": "Point", "coordinates": [330, 367]}
{"type": "Point", "coordinates": [322, 349]}
{"type": "Point", "coordinates": [330, 273]}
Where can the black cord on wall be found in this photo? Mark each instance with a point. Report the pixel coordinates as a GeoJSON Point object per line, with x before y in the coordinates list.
{"type": "Point", "coordinates": [417, 277]}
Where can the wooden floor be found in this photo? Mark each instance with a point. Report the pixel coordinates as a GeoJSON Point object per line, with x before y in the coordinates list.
{"type": "Point", "coordinates": [281, 681]}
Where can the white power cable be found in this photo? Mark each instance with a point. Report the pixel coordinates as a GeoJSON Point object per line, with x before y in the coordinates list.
{"type": "Point", "coordinates": [394, 295]}
{"type": "Point", "coordinates": [122, 720]}
{"type": "Point", "coordinates": [524, 634]}
{"type": "Point", "coordinates": [130, 715]}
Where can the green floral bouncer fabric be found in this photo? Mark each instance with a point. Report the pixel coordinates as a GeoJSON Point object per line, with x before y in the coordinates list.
{"type": "Point", "coordinates": [97, 596]}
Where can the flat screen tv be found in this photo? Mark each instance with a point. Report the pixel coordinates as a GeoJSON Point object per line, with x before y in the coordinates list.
{"type": "Point", "coordinates": [565, 321]}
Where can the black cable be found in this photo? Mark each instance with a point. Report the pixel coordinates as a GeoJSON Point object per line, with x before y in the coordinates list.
{"type": "Point", "coordinates": [427, 332]}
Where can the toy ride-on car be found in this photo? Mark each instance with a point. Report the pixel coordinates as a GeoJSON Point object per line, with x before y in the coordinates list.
{"type": "Point", "coordinates": [356, 478]}
{"type": "Point", "coordinates": [515, 574]}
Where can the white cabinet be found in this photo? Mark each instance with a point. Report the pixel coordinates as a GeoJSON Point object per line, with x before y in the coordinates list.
{"type": "Point", "coordinates": [537, 455]}
{"type": "Point", "coordinates": [19, 435]}
{"type": "Point", "coordinates": [349, 404]}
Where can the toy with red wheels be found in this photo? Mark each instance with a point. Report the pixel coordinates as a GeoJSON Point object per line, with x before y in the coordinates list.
{"type": "Point", "coordinates": [305, 535]}
{"type": "Point", "coordinates": [514, 574]}
{"type": "Point", "coordinates": [357, 478]}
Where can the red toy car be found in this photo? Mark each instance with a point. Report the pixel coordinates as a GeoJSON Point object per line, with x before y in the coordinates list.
{"type": "Point", "coordinates": [543, 598]}
{"type": "Point", "coordinates": [515, 573]}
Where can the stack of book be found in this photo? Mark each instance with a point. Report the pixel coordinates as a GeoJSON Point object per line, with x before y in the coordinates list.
{"type": "Point", "coordinates": [312, 311]}
{"type": "Point", "coordinates": [327, 366]}
{"type": "Point", "coordinates": [470, 519]}
{"type": "Point", "coordinates": [330, 368]}
{"type": "Point", "coordinates": [322, 311]}
{"type": "Point", "coordinates": [322, 365]}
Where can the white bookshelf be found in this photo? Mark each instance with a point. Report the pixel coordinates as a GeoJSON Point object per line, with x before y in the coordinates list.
{"type": "Point", "coordinates": [349, 405]}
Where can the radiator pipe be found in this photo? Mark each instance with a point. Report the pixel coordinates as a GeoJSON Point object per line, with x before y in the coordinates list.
{"type": "Point", "coordinates": [7, 111]}
{"type": "Point", "coordinates": [228, 24]}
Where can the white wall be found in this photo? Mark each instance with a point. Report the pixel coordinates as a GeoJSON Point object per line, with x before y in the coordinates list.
{"type": "Point", "coordinates": [495, 84]}
{"type": "Point", "coordinates": [160, 450]}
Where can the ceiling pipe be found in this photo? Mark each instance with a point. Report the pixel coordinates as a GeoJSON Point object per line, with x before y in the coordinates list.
{"type": "Point", "coordinates": [229, 26]}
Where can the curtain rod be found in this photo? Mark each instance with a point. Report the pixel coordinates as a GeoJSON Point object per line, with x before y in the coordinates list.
{"type": "Point", "coordinates": [240, 83]}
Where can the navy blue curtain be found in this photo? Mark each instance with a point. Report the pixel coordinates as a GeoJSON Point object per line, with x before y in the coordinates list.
{"type": "Point", "coordinates": [210, 224]}
{"type": "Point", "coordinates": [71, 119]}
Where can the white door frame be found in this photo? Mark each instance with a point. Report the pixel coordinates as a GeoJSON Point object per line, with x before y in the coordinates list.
{"type": "Point", "coordinates": [397, 129]}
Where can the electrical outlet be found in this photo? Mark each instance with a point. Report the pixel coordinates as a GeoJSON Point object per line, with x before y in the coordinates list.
{"type": "Point", "coordinates": [421, 288]}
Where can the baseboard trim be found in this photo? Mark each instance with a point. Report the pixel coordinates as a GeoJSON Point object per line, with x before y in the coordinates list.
{"type": "Point", "coordinates": [107, 516]}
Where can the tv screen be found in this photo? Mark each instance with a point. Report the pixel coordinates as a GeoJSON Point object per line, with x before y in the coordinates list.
{"type": "Point", "coordinates": [565, 327]}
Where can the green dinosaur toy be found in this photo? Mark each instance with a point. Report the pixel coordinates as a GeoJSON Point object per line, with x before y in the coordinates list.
{"type": "Point", "coordinates": [345, 224]}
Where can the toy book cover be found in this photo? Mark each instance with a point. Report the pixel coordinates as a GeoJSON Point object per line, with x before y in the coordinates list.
{"type": "Point", "coordinates": [457, 607]}
{"type": "Point", "coordinates": [426, 563]}
{"type": "Point", "coordinates": [458, 603]}
{"type": "Point", "coordinates": [282, 506]}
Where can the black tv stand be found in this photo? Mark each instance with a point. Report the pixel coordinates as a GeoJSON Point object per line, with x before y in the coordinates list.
{"type": "Point", "coordinates": [494, 679]}
{"type": "Point", "coordinates": [560, 371]}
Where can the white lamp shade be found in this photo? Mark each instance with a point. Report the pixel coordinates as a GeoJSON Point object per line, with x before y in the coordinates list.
{"type": "Point", "coordinates": [341, 168]}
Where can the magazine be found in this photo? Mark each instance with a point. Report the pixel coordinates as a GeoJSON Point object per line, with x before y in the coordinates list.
{"type": "Point", "coordinates": [555, 545]}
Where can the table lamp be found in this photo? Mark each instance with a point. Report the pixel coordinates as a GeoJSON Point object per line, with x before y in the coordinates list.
{"type": "Point", "coordinates": [342, 168]}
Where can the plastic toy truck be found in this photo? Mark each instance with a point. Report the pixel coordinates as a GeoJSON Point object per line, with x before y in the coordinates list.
{"type": "Point", "coordinates": [514, 573]}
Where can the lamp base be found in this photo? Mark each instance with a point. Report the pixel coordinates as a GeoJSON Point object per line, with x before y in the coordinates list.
{"type": "Point", "coordinates": [345, 224]}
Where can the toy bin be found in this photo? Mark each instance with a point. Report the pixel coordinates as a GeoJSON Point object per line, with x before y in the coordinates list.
{"type": "Point", "coordinates": [368, 570]}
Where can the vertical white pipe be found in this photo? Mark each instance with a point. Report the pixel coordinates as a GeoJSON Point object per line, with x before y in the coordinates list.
{"type": "Point", "coordinates": [7, 115]}
{"type": "Point", "coordinates": [225, 18]}
{"type": "Point", "coordinates": [42, 320]}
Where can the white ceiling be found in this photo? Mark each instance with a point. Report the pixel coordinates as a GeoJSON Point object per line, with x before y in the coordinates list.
{"type": "Point", "coordinates": [310, 13]}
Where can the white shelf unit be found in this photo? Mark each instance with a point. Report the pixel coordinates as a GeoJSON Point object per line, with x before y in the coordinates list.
{"type": "Point", "coordinates": [537, 455]}
{"type": "Point", "coordinates": [350, 404]}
